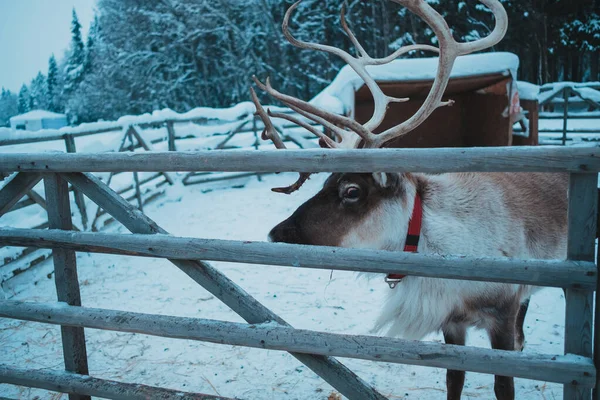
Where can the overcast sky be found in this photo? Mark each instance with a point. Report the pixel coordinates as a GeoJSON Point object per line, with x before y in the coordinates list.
{"type": "Point", "coordinates": [31, 30]}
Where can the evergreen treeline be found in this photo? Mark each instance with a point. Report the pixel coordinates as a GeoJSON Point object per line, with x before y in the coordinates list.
{"type": "Point", "coordinates": [141, 56]}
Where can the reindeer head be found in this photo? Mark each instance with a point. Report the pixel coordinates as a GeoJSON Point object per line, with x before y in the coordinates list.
{"type": "Point", "coordinates": [365, 210]}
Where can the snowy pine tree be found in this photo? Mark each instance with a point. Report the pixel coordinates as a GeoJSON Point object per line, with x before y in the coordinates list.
{"type": "Point", "coordinates": [90, 47]}
{"type": "Point", "coordinates": [39, 93]}
{"type": "Point", "coordinates": [24, 101]}
{"type": "Point", "coordinates": [8, 107]}
{"type": "Point", "coordinates": [75, 64]}
{"type": "Point", "coordinates": [53, 86]}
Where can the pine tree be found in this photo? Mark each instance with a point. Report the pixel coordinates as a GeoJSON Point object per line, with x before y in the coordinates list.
{"type": "Point", "coordinates": [75, 65]}
{"type": "Point", "coordinates": [90, 47]}
{"type": "Point", "coordinates": [8, 106]}
{"type": "Point", "coordinates": [39, 92]}
{"type": "Point", "coordinates": [52, 86]}
{"type": "Point", "coordinates": [24, 102]}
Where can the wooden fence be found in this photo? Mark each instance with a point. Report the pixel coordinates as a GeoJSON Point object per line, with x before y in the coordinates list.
{"type": "Point", "coordinates": [578, 102]}
{"type": "Point", "coordinates": [578, 275]}
{"type": "Point", "coordinates": [132, 137]}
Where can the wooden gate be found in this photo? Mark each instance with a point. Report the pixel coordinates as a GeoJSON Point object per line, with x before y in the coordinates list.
{"type": "Point", "coordinates": [577, 275]}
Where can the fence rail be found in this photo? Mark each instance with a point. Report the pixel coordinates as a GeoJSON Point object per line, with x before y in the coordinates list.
{"type": "Point", "coordinates": [265, 329]}
{"type": "Point", "coordinates": [564, 274]}
{"type": "Point", "coordinates": [71, 383]}
{"type": "Point", "coordinates": [478, 159]}
{"type": "Point", "coordinates": [552, 368]}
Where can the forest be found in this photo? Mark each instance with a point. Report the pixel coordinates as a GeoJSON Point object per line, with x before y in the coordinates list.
{"type": "Point", "coordinates": [140, 56]}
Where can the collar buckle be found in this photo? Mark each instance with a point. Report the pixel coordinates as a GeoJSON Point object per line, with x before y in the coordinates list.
{"type": "Point", "coordinates": [392, 282]}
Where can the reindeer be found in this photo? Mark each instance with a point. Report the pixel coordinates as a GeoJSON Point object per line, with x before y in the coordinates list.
{"type": "Point", "coordinates": [521, 215]}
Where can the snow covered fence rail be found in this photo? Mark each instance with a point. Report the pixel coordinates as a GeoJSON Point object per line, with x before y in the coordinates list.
{"type": "Point", "coordinates": [578, 275]}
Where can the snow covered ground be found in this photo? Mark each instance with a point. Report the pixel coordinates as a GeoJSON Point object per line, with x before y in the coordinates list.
{"type": "Point", "coordinates": [311, 299]}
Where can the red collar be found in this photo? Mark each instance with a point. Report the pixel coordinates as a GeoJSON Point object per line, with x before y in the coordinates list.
{"type": "Point", "coordinates": [412, 237]}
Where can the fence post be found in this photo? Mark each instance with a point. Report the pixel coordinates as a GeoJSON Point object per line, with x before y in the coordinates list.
{"type": "Point", "coordinates": [566, 93]}
{"type": "Point", "coordinates": [65, 276]}
{"type": "Point", "coordinates": [79, 200]}
{"type": "Point", "coordinates": [171, 135]}
{"type": "Point", "coordinates": [256, 142]}
{"type": "Point", "coordinates": [136, 178]}
{"type": "Point", "coordinates": [583, 204]}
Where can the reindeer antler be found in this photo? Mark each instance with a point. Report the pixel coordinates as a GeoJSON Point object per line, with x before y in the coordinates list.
{"type": "Point", "coordinates": [271, 133]}
{"type": "Point", "coordinates": [363, 134]}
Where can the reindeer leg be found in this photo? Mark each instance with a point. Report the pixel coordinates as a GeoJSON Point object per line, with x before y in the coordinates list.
{"type": "Point", "coordinates": [455, 380]}
{"type": "Point", "coordinates": [520, 335]}
{"type": "Point", "coordinates": [502, 336]}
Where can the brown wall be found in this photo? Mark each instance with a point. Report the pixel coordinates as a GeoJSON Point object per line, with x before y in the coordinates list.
{"type": "Point", "coordinates": [475, 119]}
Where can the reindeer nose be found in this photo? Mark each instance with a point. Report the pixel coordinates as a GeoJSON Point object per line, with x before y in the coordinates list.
{"type": "Point", "coordinates": [285, 232]}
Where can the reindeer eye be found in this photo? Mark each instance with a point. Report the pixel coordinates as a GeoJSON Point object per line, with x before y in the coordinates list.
{"type": "Point", "coordinates": [352, 193]}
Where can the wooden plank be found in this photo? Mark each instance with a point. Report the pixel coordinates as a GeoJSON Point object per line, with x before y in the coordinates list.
{"type": "Point", "coordinates": [585, 98]}
{"type": "Point", "coordinates": [36, 198]}
{"type": "Point", "coordinates": [22, 204]}
{"type": "Point", "coordinates": [236, 129]}
{"type": "Point", "coordinates": [66, 382]}
{"type": "Point", "coordinates": [148, 147]}
{"type": "Point", "coordinates": [596, 348]}
{"type": "Point", "coordinates": [79, 200]}
{"type": "Point", "coordinates": [136, 179]}
{"type": "Point", "coordinates": [53, 135]}
{"type": "Point", "coordinates": [565, 93]}
{"type": "Point", "coordinates": [301, 141]}
{"type": "Point", "coordinates": [583, 204]}
{"type": "Point", "coordinates": [171, 135]}
{"type": "Point", "coordinates": [331, 370]}
{"type": "Point", "coordinates": [192, 179]}
{"type": "Point", "coordinates": [476, 159]}
{"type": "Point", "coordinates": [567, 274]}
{"type": "Point", "coordinates": [138, 192]}
{"type": "Point", "coordinates": [551, 368]}
{"type": "Point", "coordinates": [142, 182]}
{"type": "Point", "coordinates": [15, 189]}
{"type": "Point", "coordinates": [65, 275]}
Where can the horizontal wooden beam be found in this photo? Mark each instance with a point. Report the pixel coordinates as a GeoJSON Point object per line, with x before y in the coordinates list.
{"type": "Point", "coordinates": [550, 368]}
{"type": "Point", "coordinates": [566, 274]}
{"type": "Point", "coordinates": [66, 382]}
{"type": "Point", "coordinates": [476, 159]}
{"type": "Point", "coordinates": [49, 135]}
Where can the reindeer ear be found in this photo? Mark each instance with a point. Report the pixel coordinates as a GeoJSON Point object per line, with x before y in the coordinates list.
{"type": "Point", "coordinates": [381, 178]}
{"type": "Point", "coordinates": [385, 180]}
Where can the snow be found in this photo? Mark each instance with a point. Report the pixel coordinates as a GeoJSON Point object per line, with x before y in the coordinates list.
{"type": "Point", "coordinates": [528, 91]}
{"type": "Point", "coordinates": [308, 299]}
{"type": "Point", "coordinates": [587, 93]}
{"type": "Point", "coordinates": [37, 114]}
{"type": "Point", "coordinates": [209, 116]}
{"type": "Point", "coordinates": [341, 90]}
{"type": "Point", "coordinates": [586, 90]}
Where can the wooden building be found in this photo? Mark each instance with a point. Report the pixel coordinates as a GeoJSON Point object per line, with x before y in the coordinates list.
{"type": "Point", "coordinates": [483, 87]}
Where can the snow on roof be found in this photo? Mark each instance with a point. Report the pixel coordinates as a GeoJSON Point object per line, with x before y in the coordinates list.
{"type": "Point", "coordinates": [37, 114]}
{"type": "Point", "coordinates": [528, 91]}
{"type": "Point", "coordinates": [339, 95]}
